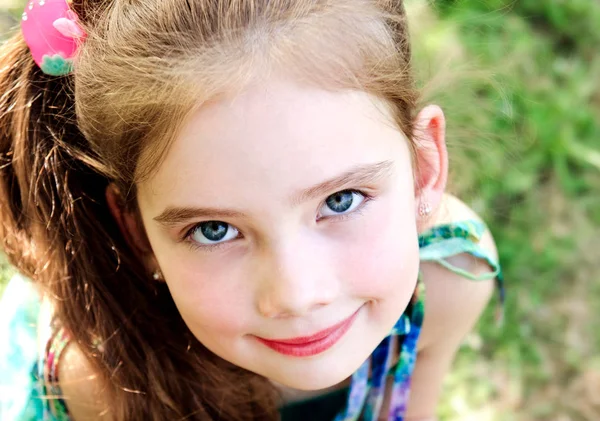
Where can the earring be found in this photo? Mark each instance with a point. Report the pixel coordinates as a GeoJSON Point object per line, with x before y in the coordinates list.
{"type": "Point", "coordinates": [424, 209]}
{"type": "Point", "coordinates": [157, 275]}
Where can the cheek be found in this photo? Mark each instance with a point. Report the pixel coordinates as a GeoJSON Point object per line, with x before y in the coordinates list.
{"type": "Point", "coordinates": [208, 300]}
{"type": "Point", "coordinates": [382, 260]}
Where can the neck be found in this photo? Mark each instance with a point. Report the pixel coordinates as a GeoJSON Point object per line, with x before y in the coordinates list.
{"type": "Point", "coordinates": [291, 395]}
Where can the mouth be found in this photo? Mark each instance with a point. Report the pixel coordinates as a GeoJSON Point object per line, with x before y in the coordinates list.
{"type": "Point", "coordinates": [306, 346]}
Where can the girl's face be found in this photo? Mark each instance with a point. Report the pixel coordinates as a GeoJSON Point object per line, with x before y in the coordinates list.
{"type": "Point", "coordinates": [281, 213]}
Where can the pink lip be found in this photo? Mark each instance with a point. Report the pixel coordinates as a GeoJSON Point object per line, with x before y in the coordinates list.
{"type": "Point", "coordinates": [305, 346]}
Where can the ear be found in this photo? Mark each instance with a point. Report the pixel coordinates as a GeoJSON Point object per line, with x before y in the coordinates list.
{"type": "Point", "coordinates": [431, 172]}
{"type": "Point", "coordinates": [131, 228]}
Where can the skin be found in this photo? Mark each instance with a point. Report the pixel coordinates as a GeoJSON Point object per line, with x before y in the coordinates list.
{"type": "Point", "coordinates": [294, 272]}
{"type": "Point", "coordinates": [293, 266]}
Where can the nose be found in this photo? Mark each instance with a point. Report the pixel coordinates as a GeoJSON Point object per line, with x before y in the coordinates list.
{"type": "Point", "coordinates": [298, 276]}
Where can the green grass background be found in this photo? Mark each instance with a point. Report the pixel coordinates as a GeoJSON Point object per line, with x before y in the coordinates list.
{"type": "Point", "coordinates": [520, 83]}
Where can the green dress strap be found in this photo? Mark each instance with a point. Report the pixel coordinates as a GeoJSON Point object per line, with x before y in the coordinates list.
{"type": "Point", "coordinates": [443, 241]}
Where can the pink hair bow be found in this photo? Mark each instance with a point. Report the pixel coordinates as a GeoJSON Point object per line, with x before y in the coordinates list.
{"type": "Point", "coordinates": [53, 34]}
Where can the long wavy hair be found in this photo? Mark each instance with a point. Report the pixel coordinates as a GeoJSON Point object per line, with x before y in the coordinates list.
{"type": "Point", "coordinates": [144, 67]}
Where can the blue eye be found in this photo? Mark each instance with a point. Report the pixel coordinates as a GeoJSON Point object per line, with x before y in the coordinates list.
{"type": "Point", "coordinates": [342, 202]}
{"type": "Point", "coordinates": [213, 232]}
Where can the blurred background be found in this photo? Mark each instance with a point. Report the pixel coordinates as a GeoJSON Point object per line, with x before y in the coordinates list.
{"type": "Point", "coordinates": [520, 83]}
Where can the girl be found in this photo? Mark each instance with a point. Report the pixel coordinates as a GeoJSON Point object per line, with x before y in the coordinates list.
{"type": "Point", "coordinates": [231, 210]}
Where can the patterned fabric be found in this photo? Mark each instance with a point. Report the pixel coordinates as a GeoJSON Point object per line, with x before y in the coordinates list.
{"type": "Point", "coordinates": [444, 241]}
{"type": "Point", "coordinates": [37, 396]}
{"type": "Point", "coordinates": [47, 369]}
{"type": "Point", "coordinates": [19, 310]}
{"type": "Point", "coordinates": [31, 348]}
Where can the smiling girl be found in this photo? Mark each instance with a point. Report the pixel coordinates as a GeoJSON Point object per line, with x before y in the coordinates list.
{"type": "Point", "coordinates": [230, 210]}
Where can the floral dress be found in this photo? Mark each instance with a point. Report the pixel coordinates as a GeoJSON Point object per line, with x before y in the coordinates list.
{"type": "Point", "coordinates": [29, 374]}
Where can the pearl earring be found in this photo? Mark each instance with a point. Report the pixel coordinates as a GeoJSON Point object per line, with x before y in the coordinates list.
{"type": "Point", "coordinates": [424, 209]}
{"type": "Point", "coordinates": [157, 275]}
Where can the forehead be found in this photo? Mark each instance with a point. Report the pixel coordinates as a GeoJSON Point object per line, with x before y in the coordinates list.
{"type": "Point", "coordinates": [276, 136]}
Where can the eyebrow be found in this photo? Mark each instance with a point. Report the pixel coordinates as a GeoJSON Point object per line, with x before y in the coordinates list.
{"type": "Point", "coordinates": [357, 175]}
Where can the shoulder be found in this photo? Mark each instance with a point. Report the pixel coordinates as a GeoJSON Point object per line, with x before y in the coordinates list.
{"type": "Point", "coordinates": [454, 302]}
{"type": "Point", "coordinates": [82, 389]}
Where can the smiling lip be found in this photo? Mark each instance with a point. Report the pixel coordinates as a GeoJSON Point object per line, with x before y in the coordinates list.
{"type": "Point", "coordinates": [305, 346]}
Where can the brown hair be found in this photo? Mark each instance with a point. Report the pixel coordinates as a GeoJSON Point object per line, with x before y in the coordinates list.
{"type": "Point", "coordinates": [143, 68]}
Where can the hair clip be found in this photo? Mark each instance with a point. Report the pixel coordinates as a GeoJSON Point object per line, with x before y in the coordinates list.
{"type": "Point", "coordinates": [53, 34]}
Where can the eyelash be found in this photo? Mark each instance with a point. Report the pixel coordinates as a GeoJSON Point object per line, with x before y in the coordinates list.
{"type": "Point", "coordinates": [338, 218]}
{"type": "Point", "coordinates": [193, 245]}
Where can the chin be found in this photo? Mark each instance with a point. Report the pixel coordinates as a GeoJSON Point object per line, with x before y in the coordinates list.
{"type": "Point", "coordinates": [311, 384]}
{"type": "Point", "coordinates": [308, 380]}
